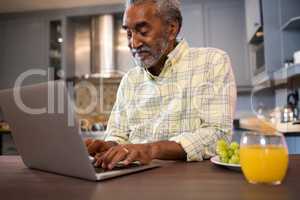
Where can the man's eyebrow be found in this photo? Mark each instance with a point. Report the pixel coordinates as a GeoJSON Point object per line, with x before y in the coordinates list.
{"type": "Point", "coordinates": [138, 25]}
{"type": "Point", "coordinates": [141, 25]}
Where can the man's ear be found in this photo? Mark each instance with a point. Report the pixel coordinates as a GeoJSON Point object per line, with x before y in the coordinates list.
{"type": "Point", "coordinates": [173, 29]}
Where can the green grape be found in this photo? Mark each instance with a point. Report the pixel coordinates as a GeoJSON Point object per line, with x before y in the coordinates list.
{"type": "Point", "coordinates": [234, 145]}
{"type": "Point", "coordinates": [221, 146]}
{"type": "Point", "coordinates": [223, 154]}
{"type": "Point", "coordinates": [230, 152]}
{"type": "Point", "coordinates": [237, 152]}
{"type": "Point", "coordinates": [238, 160]}
{"type": "Point", "coordinates": [234, 159]}
{"type": "Point", "coordinates": [222, 143]}
{"type": "Point", "coordinates": [224, 160]}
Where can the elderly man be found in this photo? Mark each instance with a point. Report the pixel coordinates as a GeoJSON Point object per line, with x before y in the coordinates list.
{"type": "Point", "coordinates": [176, 103]}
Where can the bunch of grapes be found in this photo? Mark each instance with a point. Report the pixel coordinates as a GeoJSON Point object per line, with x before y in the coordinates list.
{"type": "Point", "coordinates": [228, 153]}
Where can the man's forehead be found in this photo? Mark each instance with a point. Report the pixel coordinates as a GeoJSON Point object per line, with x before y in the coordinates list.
{"type": "Point", "coordinates": [140, 13]}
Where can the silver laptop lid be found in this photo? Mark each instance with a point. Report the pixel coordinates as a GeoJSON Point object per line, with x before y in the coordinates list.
{"type": "Point", "coordinates": [44, 130]}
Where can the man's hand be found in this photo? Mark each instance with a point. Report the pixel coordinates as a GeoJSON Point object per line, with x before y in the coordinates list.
{"type": "Point", "coordinates": [110, 153]}
{"type": "Point", "coordinates": [127, 153]}
{"type": "Point", "coordinates": [95, 147]}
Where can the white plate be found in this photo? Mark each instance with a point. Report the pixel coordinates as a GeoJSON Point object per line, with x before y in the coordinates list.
{"type": "Point", "coordinates": [217, 161]}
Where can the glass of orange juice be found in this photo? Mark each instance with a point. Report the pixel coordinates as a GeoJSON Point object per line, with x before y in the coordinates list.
{"type": "Point", "coordinates": [263, 157]}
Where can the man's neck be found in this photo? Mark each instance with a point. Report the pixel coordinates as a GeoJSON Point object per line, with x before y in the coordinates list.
{"type": "Point", "coordinates": [157, 69]}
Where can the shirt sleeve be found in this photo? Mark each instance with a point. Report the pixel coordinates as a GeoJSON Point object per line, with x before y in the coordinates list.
{"type": "Point", "coordinates": [117, 127]}
{"type": "Point", "coordinates": [215, 103]}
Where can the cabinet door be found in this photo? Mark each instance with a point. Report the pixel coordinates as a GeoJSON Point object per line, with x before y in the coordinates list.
{"type": "Point", "coordinates": [225, 29]}
{"type": "Point", "coordinates": [24, 45]}
{"type": "Point", "coordinates": [193, 23]}
{"type": "Point", "coordinates": [253, 17]}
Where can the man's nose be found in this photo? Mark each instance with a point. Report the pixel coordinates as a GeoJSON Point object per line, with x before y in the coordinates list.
{"type": "Point", "coordinates": [135, 41]}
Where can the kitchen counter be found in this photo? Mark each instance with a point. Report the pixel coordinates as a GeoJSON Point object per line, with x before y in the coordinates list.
{"type": "Point", "coordinates": [261, 125]}
{"type": "Point", "coordinates": [290, 131]}
{"type": "Point", "coordinates": [179, 180]}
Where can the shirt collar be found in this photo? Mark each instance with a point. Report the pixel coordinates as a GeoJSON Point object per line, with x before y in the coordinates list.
{"type": "Point", "coordinates": [173, 57]}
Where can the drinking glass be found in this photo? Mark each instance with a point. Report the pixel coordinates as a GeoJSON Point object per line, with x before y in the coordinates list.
{"type": "Point", "coordinates": [263, 157]}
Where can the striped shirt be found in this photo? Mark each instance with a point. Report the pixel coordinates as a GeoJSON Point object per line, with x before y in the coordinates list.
{"type": "Point", "coordinates": [191, 102]}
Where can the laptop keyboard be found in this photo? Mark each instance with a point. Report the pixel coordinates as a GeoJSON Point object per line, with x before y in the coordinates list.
{"type": "Point", "coordinates": [119, 166]}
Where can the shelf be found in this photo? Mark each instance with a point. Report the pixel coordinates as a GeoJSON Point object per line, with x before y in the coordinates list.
{"type": "Point", "coordinates": [261, 81]}
{"type": "Point", "coordinates": [244, 89]}
{"type": "Point", "coordinates": [261, 78]}
{"type": "Point", "coordinates": [292, 24]}
{"type": "Point", "coordinates": [282, 75]}
{"type": "Point", "coordinates": [262, 86]}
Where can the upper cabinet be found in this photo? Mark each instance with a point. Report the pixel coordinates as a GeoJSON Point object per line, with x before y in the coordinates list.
{"type": "Point", "coordinates": [253, 17]}
{"type": "Point", "coordinates": [219, 24]}
{"type": "Point", "coordinates": [290, 31]}
{"type": "Point", "coordinates": [264, 36]}
{"type": "Point", "coordinates": [225, 29]}
{"type": "Point", "coordinates": [193, 30]}
{"type": "Point", "coordinates": [290, 26]}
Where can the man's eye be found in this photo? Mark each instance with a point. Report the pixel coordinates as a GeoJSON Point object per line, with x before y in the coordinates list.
{"type": "Point", "coordinates": [129, 35]}
{"type": "Point", "coordinates": [144, 33]}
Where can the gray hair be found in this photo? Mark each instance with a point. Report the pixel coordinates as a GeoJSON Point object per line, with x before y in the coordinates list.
{"type": "Point", "coordinates": [168, 9]}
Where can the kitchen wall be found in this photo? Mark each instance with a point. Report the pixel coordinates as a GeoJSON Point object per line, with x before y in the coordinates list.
{"type": "Point", "coordinates": [23, 47]}
{"type": "Point", "coordinates": [202, 18]}
{"type": "Point", "coordinates": [124, 60]}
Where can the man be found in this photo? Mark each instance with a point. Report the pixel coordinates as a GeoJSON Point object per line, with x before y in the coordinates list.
{"type": "Point", "coordinates": [176, 103]}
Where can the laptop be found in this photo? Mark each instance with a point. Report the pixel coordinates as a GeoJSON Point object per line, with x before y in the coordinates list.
{"type": "Point", "coordinates": [47, 136]}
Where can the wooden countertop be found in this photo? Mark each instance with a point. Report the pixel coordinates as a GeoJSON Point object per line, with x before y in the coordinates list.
{"type": "Point", "coordinates": [180, 180]}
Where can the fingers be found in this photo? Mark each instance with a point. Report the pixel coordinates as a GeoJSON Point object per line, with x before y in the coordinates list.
{"type": "Point", "coordinates": [101, 156]}
{"type": "Point", "coordinates": [132, 156]}
{"type": "Point", "coordinates": [95, 146]}
{"type": "Point", "coordinates": [128, 154]}
{"type": "Point", "coordinates": [110, 158]}
{"type": "Point", "coordinates": [121, 155]}
{"type": "Point", "coordinates": [88, 142]}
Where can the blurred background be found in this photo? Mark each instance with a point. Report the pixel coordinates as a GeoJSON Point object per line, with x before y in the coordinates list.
{"type": "Point", "coordinates": [82, 40]}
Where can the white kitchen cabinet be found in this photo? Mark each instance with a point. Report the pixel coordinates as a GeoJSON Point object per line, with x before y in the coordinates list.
{"type": "Point", "coordinates": [253, 17]}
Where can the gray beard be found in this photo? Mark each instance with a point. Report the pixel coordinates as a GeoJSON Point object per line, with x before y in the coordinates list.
{"type": "Point", "coordinates": [140, 63]}
{"type": "Point", "coordinates": [157, 57]}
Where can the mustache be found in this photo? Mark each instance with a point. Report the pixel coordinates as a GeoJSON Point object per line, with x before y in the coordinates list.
{"type": "Point", "coordinates": [141, 50]}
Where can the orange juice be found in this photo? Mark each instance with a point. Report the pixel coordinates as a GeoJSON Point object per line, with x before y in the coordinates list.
{"type": "Point", "coordinates": [264, 164]}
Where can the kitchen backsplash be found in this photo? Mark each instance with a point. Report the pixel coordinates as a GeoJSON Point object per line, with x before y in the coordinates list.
{"type": "Point", "coordinates": [103, 92]}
